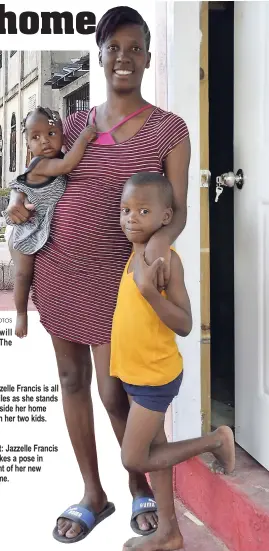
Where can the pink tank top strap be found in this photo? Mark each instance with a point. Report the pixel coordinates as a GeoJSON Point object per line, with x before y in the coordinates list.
{"type": "Point", "coordinates": [106, 138]}
{"type": "Point", "coordinates": [129, 117]}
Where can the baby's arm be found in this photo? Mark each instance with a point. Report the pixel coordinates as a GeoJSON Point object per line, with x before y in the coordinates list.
{"type": "Point", "coordinates": [56, 167]}
{"type": "Point", "coordinates": [175, 310]}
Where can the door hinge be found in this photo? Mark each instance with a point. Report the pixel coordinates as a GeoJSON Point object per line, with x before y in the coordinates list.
{"type": "Point", "coordinates": [205, 178]}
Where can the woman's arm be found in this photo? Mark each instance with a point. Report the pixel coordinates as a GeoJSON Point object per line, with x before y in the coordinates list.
{"type": "Point", "coordinates": [175, 310]}
{"type": "Point", "coordinates": [176, 170]}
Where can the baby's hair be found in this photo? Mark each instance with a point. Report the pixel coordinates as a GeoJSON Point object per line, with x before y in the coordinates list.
{"type": "Point", "coordinates": [118, 17]}
{"type": "Point", "coordinates": [53, 116]}
{"type": "Point", "coordinates": [154, 179]}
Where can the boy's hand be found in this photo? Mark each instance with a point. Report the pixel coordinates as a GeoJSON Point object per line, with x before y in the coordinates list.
{"type": "Point", "coordinates": [89, 133]}
{"type": "Point", "coordinates": [145, 276]}
{"type": "Point", "coordinates": [156, 249]}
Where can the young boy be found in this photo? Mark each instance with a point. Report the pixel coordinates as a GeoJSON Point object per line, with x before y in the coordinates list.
{"type": "Point", "coordinates": [145, 357]}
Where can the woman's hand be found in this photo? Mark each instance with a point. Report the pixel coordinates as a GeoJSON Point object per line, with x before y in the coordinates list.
{"type": "Point", "coordinates": [157, 248]}
{"type": "Point", "coordinates": [19, 210]}
{"type": "Point", "coordinates": [145, 275]}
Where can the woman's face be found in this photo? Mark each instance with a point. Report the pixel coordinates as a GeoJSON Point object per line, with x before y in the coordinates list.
{"type": "Point", "coordinates": [124, 57]}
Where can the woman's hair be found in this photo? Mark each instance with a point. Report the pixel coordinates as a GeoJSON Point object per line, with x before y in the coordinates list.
{"type": "Point", "coordinates": [53, 116]}
{"type": "Point", "coordinates": [119, 17]}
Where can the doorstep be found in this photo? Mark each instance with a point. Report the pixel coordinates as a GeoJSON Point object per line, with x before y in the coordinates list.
{"type": "Point", "coordinates": [236, 507]}
{"type": "Point", "coordinates": [197, 537]}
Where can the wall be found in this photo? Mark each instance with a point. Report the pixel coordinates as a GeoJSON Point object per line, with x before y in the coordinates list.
{"type": "Point", "coordinates": [60, 57]}
{"type": "Point", "coordinates": [12, 70]}
{"type": "Point", "coordinates": [30, 62]}
{"type": "Point", "coordinates": [1, 77]}
{"type": "Point", "coordinates": [34, 68]}
{"type": "Point", "coordinates": [183, 63]}
{"type": "Point", "coordinates": [11, 107]}
{"type": "Point", "coordinates": [27, 93]}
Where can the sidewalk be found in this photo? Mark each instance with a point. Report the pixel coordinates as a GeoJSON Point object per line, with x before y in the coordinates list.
{"type": "Point", "coordinates": [6, 297]}
{"type": "Point", "coordinates": [7, 302]}
{"type": "Point", "coordinates": [4, 252]}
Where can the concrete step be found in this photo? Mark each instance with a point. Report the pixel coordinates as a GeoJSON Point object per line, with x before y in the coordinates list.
{"type": "Point", "coordinates": [197, 537]}
{"type": "Point", "coordinates": [235, 508]}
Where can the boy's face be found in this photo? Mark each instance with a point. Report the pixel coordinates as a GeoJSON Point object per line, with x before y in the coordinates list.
{"type": "Point", "coordinates": [43, 139]}
{"type": "Point", "coordinates": [143, 212]}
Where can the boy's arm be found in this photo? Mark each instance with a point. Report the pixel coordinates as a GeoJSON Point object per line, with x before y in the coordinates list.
{"type": "Point", "coordinates": [56, 167]}
{"type": "Point", "coordinates": [175, 310]}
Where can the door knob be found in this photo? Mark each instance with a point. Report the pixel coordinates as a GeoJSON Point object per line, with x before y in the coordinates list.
{"type": "Point", "coordinates": [229, 179]}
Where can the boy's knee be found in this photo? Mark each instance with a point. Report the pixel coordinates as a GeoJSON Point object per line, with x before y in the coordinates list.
{"type": "Point", "coordinates": [113, 398]}
{"type": "Point", "coordinates": [131, 463]}
{"type": "Point", "coordinates": [110, 403]}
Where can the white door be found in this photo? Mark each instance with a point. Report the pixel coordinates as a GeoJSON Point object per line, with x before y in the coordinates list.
{"type": "Point", "coordinates": [251, 213]}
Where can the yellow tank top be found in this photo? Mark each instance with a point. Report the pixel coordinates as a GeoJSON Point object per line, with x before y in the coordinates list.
{"type": "Point", "coordinates": [143, 348]}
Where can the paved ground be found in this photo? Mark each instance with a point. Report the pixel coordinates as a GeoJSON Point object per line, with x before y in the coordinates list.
{"type": "Point", "coordinates": [7, 303]}
{"type": "Point", "coordinates": [6, 297]}
{"type": "Point", "coordinates": [4, 252]}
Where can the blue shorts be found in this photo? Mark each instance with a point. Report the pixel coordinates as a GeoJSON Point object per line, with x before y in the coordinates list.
{"type": "Point", "coordinates": [154, 398]}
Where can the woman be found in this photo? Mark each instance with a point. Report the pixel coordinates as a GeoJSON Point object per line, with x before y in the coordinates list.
{"type": "Point", "coordinates": [77, 274]}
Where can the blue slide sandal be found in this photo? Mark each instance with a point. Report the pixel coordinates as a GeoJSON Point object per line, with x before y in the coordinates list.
{"type": "Point", "coordinates": [140, 506]}
{"type": "Point", "coordinates": [86, 518]}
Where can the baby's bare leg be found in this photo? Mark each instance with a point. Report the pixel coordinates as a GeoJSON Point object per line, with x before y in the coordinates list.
{"type": "Point", "coordinates": [24, 267]}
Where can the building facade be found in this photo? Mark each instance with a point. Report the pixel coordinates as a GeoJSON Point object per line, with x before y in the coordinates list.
{"type": "Point", "coordinates": [55, 79]}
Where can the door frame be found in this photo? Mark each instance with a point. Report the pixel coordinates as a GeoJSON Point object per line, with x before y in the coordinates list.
{"type": "Point", "coordinates": [178, 61]}
{"type": "Point", "coordinates": [204, 221]}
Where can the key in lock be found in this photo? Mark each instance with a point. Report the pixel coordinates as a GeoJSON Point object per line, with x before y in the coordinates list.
{"type": "Point", "coordinates": [219, 190]}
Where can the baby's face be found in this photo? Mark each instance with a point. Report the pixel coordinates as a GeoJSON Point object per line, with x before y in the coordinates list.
{"type": "Point", "coordinates": [142, 212]}
{"type": "Point", "coordinates": [43, 139]}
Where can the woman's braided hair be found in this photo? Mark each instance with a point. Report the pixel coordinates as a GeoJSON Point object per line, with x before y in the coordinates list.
{"type": "Point", "coordinates": [118, 17]}
{"type": "Point", "coordinates": [53, 116]}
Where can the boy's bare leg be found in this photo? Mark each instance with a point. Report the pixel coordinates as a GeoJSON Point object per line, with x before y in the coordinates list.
{"type": "Point", "coordinates": [115, 401]}
{"type": "Point", "coordinates": [141, 452]}
{"type": "Point", "coordinates": [24, 267]}
{"type": "Point", "coordinates": [168, 535]}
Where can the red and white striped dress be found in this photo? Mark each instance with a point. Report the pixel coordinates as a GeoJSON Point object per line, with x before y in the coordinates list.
{"type": "Point", "coordinates": [78, 272]}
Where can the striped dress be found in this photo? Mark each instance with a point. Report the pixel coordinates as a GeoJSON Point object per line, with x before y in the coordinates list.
{"type": "Point", "coordinates": [78, 272]}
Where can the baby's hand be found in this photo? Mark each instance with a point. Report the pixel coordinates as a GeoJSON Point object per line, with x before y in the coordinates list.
{"type": "Point", "coordinates": [89, 133]}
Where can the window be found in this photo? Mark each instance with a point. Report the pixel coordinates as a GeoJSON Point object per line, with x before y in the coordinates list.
{"type": "Point", "coordinates": [12, 52]}
{"type": "Point", "coordinates": [79, 100]}
{"type": "Point", "coordinates": [32, 102]}
{"type": "Point", "coordinates": [12, 163]}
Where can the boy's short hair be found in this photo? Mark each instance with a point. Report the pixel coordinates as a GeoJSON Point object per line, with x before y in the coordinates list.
{"type": "Point", "coordinates": [154, 179]}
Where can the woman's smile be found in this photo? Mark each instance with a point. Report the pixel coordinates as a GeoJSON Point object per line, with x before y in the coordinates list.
{"type": "Point", "coordinates": [122, 73]}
